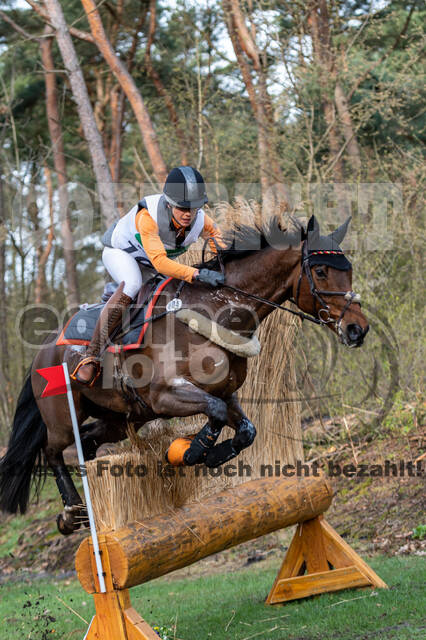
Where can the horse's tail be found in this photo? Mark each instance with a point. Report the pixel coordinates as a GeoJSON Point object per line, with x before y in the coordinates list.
{"type": "Point", "coordinates": [23, 461]}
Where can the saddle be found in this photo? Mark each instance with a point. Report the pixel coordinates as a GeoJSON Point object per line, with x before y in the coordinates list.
{"type": "Point", "coordinates": [79, 328]}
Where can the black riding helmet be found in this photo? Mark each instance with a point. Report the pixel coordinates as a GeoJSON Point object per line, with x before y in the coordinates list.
{"type": "Point", "coordinates": [185, 187]}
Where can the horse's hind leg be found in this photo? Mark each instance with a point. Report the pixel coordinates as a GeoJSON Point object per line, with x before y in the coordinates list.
{"type": "Point", "coordinates": [101, 431]}
{"type": "Point", "coordinates": [74, 512]}
{"type": "Point", "coordinates": [56, 416]}
{"type": "Point", "coordinates": [92, 436]}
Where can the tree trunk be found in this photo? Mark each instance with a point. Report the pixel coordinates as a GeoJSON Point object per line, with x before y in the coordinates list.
{"type": "Point", "coordinates": [352, 148]}
{"type": "Point", "coordinates": [100, 102]}
{"type": "Point", "coordinates": [117, 103]}
{"type": "Point", "coordinates": [40, 288]}
{"type": "Point", "coordinates": [33, 214]}
{"type": "Point", "coordinates": [117, 112]}
{"type": "Point", "coordinates": [56, 136]}
{"type": "Point", "coordinates": [247, 43]}
{"type": "Point", "coordinates": [262, 143]}
{"type": "Point", "coordinates": [333, 140]}
{"type": "Point", "coordinates": [245, 47]}
{"type": "Point", "coordinates": [129, 87]}
{"type": "Point", "coordinates": [3, 302]}
{"type": "Point", "coordinates": [85, 111]}
{"type": "Point", "coordinates": [161, 89]}
{"type": "Point", "coordinates": [324, 60]}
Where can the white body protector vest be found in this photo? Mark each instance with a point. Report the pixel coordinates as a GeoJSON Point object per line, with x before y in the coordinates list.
{"type": "Point", "coordinates": [125, 235]}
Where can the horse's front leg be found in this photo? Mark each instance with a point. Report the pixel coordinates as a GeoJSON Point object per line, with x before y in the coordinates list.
{"type": "Point", "coordinates": [185, 399]}
{"type": "Point", "coordinates": [245, 433]}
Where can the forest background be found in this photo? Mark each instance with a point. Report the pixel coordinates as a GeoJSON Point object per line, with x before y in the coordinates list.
{"type": "Point", "coordinates": [324, 96]}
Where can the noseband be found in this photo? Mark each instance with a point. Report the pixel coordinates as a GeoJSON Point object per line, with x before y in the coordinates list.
{"type": "Point", "coordinates": [323, 314]}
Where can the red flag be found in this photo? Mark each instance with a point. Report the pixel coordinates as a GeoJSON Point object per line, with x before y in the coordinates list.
{"type": "Point", "coordinates": [56, 383]}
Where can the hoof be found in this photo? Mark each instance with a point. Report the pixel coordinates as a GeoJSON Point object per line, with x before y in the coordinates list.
{"type": "Point", "coordinates": [176, 451]}
{"type": "Point", "coordinates": [65, 527]}
{"type": "Point", "coordinates": [220, 454]}
{"type": "Point", "coordinates": [70, 519]}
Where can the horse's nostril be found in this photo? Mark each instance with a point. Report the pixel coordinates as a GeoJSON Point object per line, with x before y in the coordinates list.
{"type": "Point", "coordinates": [354, 332]}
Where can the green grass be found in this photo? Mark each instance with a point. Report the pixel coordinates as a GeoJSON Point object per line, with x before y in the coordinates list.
{"type": "Point", "coordinates": [15, 526]}
{"type": "Point", "coordinates": [46, 511]}
{"type": "Point", "coordinates": [230, 607]}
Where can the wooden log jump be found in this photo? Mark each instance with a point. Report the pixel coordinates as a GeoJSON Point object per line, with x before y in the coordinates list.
{"type": "Point", "coordinates": [317, 561]}
{"type": "Point", "coordinates": [159, 545]}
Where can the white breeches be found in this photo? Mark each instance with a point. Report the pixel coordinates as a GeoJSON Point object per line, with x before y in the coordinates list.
{"type": "Point", "coordinates": [122, 267]}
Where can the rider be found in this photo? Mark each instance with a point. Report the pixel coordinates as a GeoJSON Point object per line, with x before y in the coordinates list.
{"type": "Point", "coordinates": [146, 241]}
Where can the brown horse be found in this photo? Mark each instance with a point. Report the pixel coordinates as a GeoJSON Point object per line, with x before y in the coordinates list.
{"type": "Point", "coordinates": [179, 372]}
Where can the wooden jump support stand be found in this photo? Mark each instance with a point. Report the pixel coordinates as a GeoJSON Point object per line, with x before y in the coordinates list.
{"type": "Point", "coordinates": [317, 561]}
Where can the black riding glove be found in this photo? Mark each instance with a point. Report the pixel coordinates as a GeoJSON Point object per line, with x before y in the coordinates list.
{"type": "Point", "coordinates": [214, 278]}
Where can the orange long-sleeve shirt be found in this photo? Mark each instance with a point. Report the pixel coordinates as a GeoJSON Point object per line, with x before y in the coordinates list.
{"type": "Point", "coordinates": [156, 252]}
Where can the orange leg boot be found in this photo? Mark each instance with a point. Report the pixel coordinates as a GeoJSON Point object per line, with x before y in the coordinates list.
{"type": "Point", "coordinates": [174, 454]}
{"type": "Point", "coordinates": [89, 368]}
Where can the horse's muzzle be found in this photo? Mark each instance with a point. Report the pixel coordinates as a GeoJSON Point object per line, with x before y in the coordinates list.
{"type": "Point", "coordinates": [355, 334]}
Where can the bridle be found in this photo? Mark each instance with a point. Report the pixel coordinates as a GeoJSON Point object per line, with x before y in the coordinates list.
{"type": "Point", "coordinates": [323, 313]}
{"type": "Point", "coordinates": [317, 318]}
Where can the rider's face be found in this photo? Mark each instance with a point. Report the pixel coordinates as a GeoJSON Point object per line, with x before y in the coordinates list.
{"type": "Point", "coordinates": [184, 216]}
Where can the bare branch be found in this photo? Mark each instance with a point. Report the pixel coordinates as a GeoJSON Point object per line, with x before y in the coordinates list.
{"type": "Point", "coordinates": [38, 9]}
{"type": "Point", "coordinates": [77, 33]}
{"type": "Point", "coordinates": [17, 28]}
{"type": "Point", "coordinates": [82, 35]}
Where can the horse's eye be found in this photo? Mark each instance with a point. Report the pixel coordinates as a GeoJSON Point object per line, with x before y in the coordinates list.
{"type": "Point", "coordinates": [320, 273]}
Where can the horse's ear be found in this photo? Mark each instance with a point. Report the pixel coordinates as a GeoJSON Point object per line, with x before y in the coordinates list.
{"type": "Point", "coordinates": [313, 233]}
{"type": "Point", "coordinates": [312, 228]}
{"type": "Point", "coordinates": [312, 225]}
{"type": "Point", "coordinates": [338, 234]}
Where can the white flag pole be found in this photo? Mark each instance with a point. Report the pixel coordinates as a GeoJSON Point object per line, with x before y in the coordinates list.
{"type": "Point", "coordinates": [84, 480]}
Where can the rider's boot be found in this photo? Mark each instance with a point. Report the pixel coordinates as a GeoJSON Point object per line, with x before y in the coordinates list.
{"type": "Point", "coordinates": [89, 368]}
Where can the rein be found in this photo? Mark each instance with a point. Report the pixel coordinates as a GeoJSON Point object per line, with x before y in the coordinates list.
{"type": "Point", "coordinates": [253, 296]}
{"type": "Point", "coordinates": [350, 296]}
